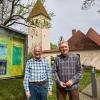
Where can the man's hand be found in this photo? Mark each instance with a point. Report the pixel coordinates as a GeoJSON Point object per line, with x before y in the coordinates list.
{"type": "Point", "coordinates": [49, 93]}
{"type": "Point", "coordinates": [62, 84]}
{"type": "Point", "coordinates": [28, 94]}
{"type": "Point", "coordinates": [69, 83]}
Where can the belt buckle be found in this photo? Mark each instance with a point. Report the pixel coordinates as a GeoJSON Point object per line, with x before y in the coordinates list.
{"type": "Point", "coordinates": [38, 83]}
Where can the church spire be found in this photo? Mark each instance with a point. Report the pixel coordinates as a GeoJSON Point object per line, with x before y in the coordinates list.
{"type": "Point", "coordinates": [38, 9]}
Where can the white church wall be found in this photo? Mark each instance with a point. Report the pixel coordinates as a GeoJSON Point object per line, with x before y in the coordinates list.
{"type": "Point", "coordinates": [87, 57]}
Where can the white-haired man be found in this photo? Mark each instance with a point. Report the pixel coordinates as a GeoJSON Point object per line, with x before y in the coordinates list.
{"type": "Point", "coordinates": [37, 76]}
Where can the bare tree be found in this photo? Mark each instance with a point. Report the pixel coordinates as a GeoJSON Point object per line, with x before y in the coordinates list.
{"type": "Point", "coordinates": [87, 4]}
{"type": "Point", "coordinates": [15, 12]}
{"type": "Point", "coordinates": [11, 11]}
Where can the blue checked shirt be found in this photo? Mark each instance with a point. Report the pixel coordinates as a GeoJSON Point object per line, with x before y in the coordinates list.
{"type": "Point", "coordinates": [37, 70]}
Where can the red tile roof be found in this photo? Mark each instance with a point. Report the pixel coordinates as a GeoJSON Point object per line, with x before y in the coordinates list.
{"type": "Point", "coordinates": [94, 36]}
{"type": "Point", "coordinates": [38, 9]}
{"type": "Point", "coordinates": [79, 41]}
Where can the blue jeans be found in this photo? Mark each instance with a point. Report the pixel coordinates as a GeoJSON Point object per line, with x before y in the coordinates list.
{"type": "Point", "coordinates": [38, 92]}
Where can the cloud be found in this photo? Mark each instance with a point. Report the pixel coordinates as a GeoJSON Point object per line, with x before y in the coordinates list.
{"type": "Point", "coordinates": [70, 16]}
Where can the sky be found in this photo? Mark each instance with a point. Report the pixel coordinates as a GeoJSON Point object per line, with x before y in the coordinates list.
{"type": "Point", "coordinates": [68, 16]}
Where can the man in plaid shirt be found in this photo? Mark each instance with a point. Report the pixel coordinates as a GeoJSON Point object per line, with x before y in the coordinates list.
{"type": "Point", "coordinates": [37, 79]}
{"type": "Point", "coordinates": [67, 73]}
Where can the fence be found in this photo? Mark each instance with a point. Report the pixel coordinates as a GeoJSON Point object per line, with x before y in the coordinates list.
{"type": "Point", "coordinates": [93, 80]}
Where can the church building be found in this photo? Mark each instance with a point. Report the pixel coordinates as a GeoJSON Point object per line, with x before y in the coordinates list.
{"type": "Point", "coordinates": [39, 32]}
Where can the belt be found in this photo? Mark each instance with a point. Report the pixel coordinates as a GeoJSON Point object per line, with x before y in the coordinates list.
{"type": "Point", "coordinates": [39, 83]}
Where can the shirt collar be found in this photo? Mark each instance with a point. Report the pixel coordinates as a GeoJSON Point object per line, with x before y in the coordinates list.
{"type": "Point", "coordinates": [37, 59]}
{"type": "Point", "coordinates": [64, 56]}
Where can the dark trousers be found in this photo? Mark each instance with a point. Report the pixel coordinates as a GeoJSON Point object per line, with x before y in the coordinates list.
{"type": "Point", "coordinates": [73, 94]}
{"type": "Point", "coordinates": [38, 92]}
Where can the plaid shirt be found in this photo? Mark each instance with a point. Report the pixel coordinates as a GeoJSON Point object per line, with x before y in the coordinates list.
{"type": "Point", "coordinates": [68, 68]}
{"type": "Point", "coordinates": [37, 70]}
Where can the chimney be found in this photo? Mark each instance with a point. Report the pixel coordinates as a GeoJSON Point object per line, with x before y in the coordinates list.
{"type": "Point", "coordinates": [73, 31]}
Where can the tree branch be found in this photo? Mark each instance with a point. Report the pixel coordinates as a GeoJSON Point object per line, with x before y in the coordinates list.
{"type": "Point", "coordinates": [14, 17]}
{"type": "Point", "coordinates": [88, 4]}
{"type": "Point", "coordinates": [25, 7]}
{"type": "Point", "coordinates": [12, 8]}
{"type": "Point", "coordinates": [20, 24]}
{"type": "Point", "coordinates": [17, 2]}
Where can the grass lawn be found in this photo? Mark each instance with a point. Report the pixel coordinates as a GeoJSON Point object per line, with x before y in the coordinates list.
{"type": "Point", "coordinates": [13, 89]}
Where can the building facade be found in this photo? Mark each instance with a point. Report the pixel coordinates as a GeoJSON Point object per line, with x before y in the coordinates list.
{"type": "Point", "coordinates": [39, 32]}
{"type": "Point", "coordinates": [87, 46]}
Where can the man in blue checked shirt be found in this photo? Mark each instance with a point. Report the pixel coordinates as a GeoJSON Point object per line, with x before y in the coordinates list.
{"type": "Point", "coordinates": [38, 78]}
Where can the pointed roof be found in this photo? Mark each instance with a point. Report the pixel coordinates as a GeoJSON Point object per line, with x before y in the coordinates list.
{"type": "Point", "coordinates": [38, 9]}
{"type": "Point", "coordinates": [79, 41]}
{"type": "Point", "coordinates": [75, 41]}
{"type": "Point", "coordinates": [93, 35]}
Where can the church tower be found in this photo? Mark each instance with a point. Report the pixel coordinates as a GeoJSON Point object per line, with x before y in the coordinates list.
{"type": "Point", "coordinates": [39, 33]}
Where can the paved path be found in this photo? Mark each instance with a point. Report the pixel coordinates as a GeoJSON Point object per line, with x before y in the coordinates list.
{"type": "Point", "coordinates": [87, 92]}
